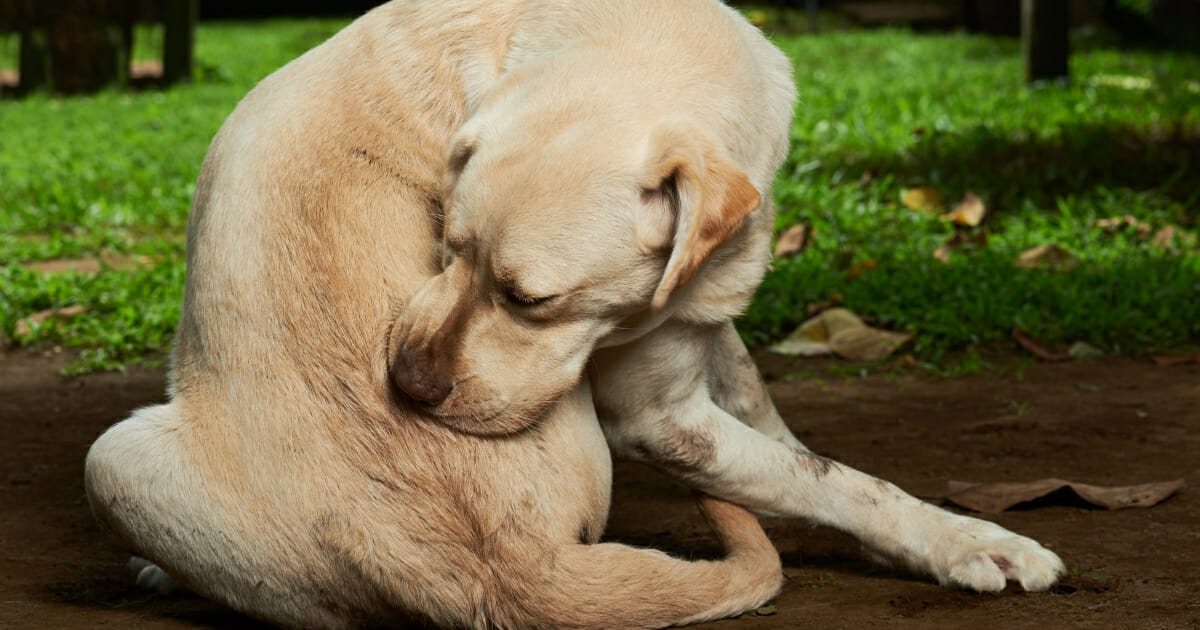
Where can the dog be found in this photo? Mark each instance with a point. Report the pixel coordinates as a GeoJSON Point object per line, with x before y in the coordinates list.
{"type": "Point", "coordinates": [287, 477]}
{"type": "Point", "coordinates": [435, 265]}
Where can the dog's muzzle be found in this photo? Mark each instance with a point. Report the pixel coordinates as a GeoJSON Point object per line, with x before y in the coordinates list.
{"type": "Point", "coordinates": [417, 376]}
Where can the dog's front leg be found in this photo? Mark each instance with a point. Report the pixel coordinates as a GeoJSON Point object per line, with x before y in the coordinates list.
{"type": "Point", "coordinates": [736, 386]}
{"type": "Point", "coordinates": [655, 405]}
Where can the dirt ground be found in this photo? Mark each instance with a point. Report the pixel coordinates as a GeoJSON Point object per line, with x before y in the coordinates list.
{"type": "Point", "coordinates": [1115, 422]}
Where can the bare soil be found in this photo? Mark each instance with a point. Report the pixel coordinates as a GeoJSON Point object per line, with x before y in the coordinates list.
{"type": "Point", "coordinates": [1115, 422]}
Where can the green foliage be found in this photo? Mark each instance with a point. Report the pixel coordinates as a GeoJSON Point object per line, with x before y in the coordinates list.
{"type": "Point", "coordinates": [882, 112]}
{"type": "Point", "coordinates": [879, 113]}
{"type": "Point", "coordinates": [113, 173]}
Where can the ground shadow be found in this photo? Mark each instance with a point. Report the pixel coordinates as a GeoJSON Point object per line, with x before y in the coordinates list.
{"type": "Point", "coordinates": [1080, 157]}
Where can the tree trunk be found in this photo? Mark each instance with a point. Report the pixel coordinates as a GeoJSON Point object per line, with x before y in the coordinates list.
{"type": "Point", "coordinates": [1044, 38]}
{"type": "Point", "coordinates": [179, 34]}
{"type": "Point", "coordinates": [86, 51]}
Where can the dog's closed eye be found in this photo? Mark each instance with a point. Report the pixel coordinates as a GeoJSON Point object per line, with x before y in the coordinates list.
{"type": "Point", "coordinates": [516, 297]}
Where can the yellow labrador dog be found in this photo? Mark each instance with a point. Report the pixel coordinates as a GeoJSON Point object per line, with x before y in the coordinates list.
{"type": "Point", "coordinates": [288, 478]}
{"type": "Point", "coordinates": [422, 257]}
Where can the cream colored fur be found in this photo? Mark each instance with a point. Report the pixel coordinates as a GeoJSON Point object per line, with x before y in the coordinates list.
{"type": "Point", "coordinates": [422, 257]}
{"type": "Point", "coordinates": [286, 478]}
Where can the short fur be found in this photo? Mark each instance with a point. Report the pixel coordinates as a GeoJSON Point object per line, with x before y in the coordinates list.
{"type": "Point", "coordinates": [286, 478]}
{"type": "Point", "coordinates": [418, 255]}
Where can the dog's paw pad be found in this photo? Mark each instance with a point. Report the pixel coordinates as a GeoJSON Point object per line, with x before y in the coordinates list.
{"type": "Point", "coordinates": [977, 572]}
{"type": "Point", "coordinates": [152, 578]}
{"type": "Point", "coordinates": [1034, 567]}
{"type": "Point", "coordinates": [987, 557]}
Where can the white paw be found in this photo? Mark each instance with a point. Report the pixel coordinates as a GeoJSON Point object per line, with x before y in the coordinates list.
{"type": "Point", "coordinates": [150, 577]}
{"type": "Point", "coordinates": [982, 556]}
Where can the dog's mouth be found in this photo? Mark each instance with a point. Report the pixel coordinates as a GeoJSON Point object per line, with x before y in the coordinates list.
{"type": "Point", "coordinates": [488, 417]}
{"type": "Point", "coordinates": [505, 422]}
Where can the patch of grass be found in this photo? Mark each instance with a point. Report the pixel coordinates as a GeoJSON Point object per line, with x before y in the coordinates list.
{"type": "Point", "coordinates": [883, 112]}
{"type": "Point", "coordinates": [880, 112]}
{"type": "Point", "coordinates": [114, 173]}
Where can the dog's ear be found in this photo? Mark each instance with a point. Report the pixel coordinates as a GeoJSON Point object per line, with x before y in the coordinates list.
{"type": "Point", "coordinates": [709, 196]}
{"type": "Point", "coordinates": [462, 147]}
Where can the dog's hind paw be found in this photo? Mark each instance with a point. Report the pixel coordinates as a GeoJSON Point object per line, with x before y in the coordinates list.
{"type": "Point", "coordinates": [150, 577]}
{"type": "Point", "coordinates": [986, 557]}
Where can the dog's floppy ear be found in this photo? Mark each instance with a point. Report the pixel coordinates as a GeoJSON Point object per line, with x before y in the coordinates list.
{"type": "Point", "coordinates": [462, 147]}
{"type": "Point", "coordinates": [708, 194]}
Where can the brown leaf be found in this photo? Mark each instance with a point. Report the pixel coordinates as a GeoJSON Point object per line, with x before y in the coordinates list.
{"type": "Point", "coordinates": [961, 239]}
{"type": "Point", "coordinates": [1084, 351]}
{"type": "Point", "coordinates": [1115, 224]}
{"type": "Point", "coordinates": [1164, 238]}
{"type": "Point", "coordinates": [922, 199]}
{"type": "Point", "coordinates": [867, 343]}
{"type": "Point", "coordinates": [997, 497]}
{"type": "Point", "coordinates": [968, 213]}
{"type": "Point", "coordinates": [793, 241]}
{"type": "Point", "coordinates": [861, 267]}
{"type": "Point", "coordinates": [25, 326]}
{"type": "Point", "coordinates": [1047, 257]}
{"type": "Point", "coordinates": [906, 362]}
{"type": "Point", "coordinates": [839, 331]}
{"type": "Point", "coordinates": [812, 337]}
{"type": "Point", "coordinates": [1037, 348]}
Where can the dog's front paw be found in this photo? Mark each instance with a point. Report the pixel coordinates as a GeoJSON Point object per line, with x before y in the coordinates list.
{"type": "Point", "coordinates": [982, 556]}
{"type": "Point", "coordinates": [150, 577]}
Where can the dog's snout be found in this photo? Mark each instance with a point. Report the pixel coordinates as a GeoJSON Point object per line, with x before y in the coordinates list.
{"type": "Point", "coordinates": [413, 374]}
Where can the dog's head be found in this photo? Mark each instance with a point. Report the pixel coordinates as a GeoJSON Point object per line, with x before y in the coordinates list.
{"type": "Point", "coordinates": [559, 235]}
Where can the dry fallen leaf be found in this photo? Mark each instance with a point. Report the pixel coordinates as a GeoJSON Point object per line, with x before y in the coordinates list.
{"type": "Point", "coordinates": [812, 337]}
{"type": "Point", "coordinates": [997, 497]}
{"type": "Point", "coordinates": [839, 331]}
{"type": "Point", "coordinates": [961, 239]}
{"type": "Point", "coordinates": [1164, 238]}
{"type": "Point", "coordinates": [1037, 348]}
{"type": "Point", "coordinates": [968, 213]}
{"type": "Point", "coordinates": [1114, 224]}
{"type": "Point", "coordinates": [25, 325]}
{"type": "Point", "coordinates": [906, 362]}
{"type": "Point", "coordinates": [793, 241]}
{"type": "Point", "coordinates": [866, 343]}
{"type": "Point", "coordinates": [922, 199]}
{"type": "Point", "coordinates": [861, 267]}
{"type": "Point", "coordinates": [1047, 257]}
{"type": "Point", "coordinates": [1084, 351]}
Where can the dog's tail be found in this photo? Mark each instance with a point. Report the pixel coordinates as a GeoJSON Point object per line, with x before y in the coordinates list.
{"type": "Point", "coordinates": [610, 585]}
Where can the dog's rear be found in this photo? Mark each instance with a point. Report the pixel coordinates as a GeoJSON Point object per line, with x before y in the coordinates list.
{"type": "Point", "coordinates": [284, 479]}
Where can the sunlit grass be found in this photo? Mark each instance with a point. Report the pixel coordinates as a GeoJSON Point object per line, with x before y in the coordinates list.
{"type": "Point", "coordinates": [114, 173]}
{"type": "Point", "coordinates": [882, 112]}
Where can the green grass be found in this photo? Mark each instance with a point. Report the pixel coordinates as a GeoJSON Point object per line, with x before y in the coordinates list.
{"type": "Point", "coordinates": [879, 113]}
{"type": "Point", "coordinates": [949, 112]}
{"type": "Point", "coordinates": [114, 173]}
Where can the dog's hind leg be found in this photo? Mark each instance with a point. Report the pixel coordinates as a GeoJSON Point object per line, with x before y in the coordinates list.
{"type": "Point", "coordinates": [610, 585]}
{"type": "Point", "coordinates": [145, 488]}
{"type": "Point", "coordinates": [151, 577]}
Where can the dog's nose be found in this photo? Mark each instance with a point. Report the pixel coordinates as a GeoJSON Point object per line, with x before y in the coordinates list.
{"type": "Point", "coordinates": [416, 378]}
